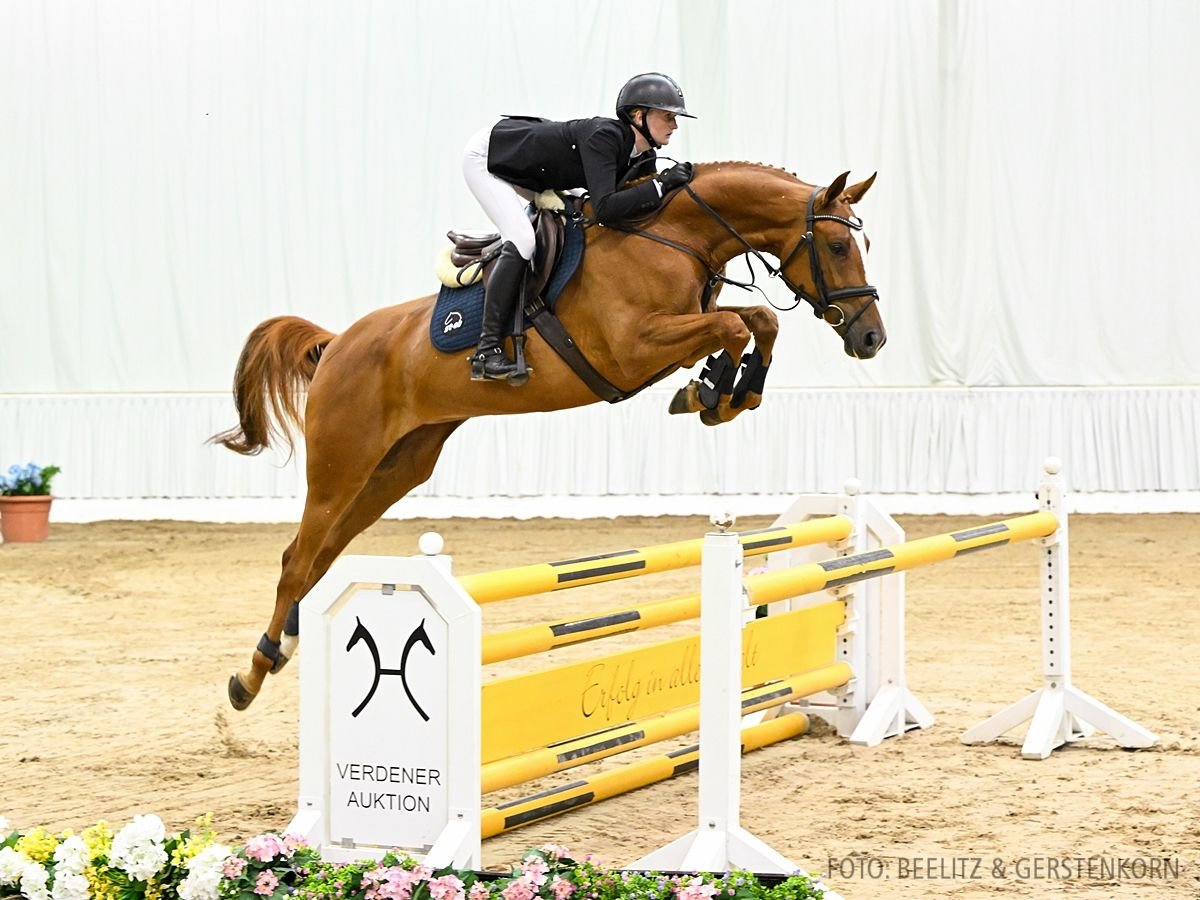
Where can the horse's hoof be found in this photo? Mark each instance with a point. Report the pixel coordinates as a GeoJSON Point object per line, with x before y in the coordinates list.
{"type": "Point", "coordinates": [280, 662]}
{"type": "Point", "coordinates": [239, 697]}
{"type": "Point", "coordinates": [682, 401]}
{"type": "Point", "coordinates": [710, 417]}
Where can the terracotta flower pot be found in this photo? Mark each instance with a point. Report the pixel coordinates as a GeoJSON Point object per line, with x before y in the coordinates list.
{"type": "Point", "coordinates": [25, 519]}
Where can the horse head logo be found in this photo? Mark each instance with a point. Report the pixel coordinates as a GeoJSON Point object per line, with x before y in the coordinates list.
{"type": "Point", "coordinates": [452, 322]}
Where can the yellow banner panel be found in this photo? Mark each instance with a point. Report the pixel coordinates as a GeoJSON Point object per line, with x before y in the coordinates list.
{"type": "Point", "coordinates": [524, 712]}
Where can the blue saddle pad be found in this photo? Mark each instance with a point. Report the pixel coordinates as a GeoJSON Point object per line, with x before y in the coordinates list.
{"type": "Point", "coordinates": [458, 314]}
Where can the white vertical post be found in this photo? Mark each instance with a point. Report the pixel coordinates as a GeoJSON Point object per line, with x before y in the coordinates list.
{"type": "Point", "coordinates": [890, 708]}
{"type": "Point", "coordinates": [720, 693]}
{"type": "Point", "coordinates": [1058, 712]}
{"type": "Point", "coordinates": [719, 843]}
{"type": "Point", "coordinates": [854, 633]}
{"type": "Point", "coordinates": [876, 703]}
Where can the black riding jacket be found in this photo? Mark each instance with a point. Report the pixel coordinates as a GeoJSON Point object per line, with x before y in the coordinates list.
{"type": "Point", "coordinates": [595, 154]}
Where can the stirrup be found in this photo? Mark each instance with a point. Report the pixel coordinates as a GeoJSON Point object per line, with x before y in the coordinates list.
{"type": "Point", "coordinates": [501, 368]}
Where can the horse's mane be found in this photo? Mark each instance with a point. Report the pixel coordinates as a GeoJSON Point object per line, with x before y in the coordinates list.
{"type": "Point", "coordinates": [702, 168]}
{"type": "Point", "coordinates": [743, 163]}
{"type": "Point", "coordinates": [740, 163]}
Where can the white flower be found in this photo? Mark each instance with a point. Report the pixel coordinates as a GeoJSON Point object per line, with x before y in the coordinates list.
{"type": "Point", "coordinates": [71, 856]}
{"type": "Point", "coordinates": [144, 829]}
{"type": "Point", "coordinates": [70, 886]}
{"type": "Point", "coordinates": [5, 828]}
{"type": "Point", "coordinates": [137, 848]}
{"type": "Point", "coordinates": [204, 873]}
{"type": "Point", "coordinates": [12, 864]}
{"type": "Point", "coordinates": [33, 881]}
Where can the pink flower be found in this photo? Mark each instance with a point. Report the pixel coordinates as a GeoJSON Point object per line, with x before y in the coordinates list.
{"type": "Point", "coordinates": [561, 888]}
{"type": "Point", "coordinates": [448, 887]}
{"type": "Point", "coordinates": [292, 843]}
{"type": "Point", "coordinates": [520, 889]}
{"type": "Point", "coordinates": [234, 867]}
{"type": "Point", "coordinates": [479, 891]}
{"type": "Point", "coordinates": [555, 851]}
{"type": "Point", "coordinates": [264, 848]}
{"type": "Point", "coordinates": [266, 884]}
{"type": "Point", "coordinates": [535, 868]}
{"type": "Point", "coordinates": [394, 882]}
{"type": "Point", "coordinates": [696, 889]}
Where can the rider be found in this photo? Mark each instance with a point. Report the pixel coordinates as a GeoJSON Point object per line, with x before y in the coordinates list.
{"type": "Point", "coordinates": [505, 164]}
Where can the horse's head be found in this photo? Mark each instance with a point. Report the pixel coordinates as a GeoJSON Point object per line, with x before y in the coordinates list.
{"type": "Point", "coordinates": [826, 267]}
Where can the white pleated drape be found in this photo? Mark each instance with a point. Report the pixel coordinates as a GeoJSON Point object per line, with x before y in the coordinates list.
{"type": "Point", "coordinates": [173, 173]}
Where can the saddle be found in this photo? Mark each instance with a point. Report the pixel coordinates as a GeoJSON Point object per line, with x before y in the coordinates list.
{"type": "Point", "coordinates": [468, 259]}
{"type": "Point", "coordinates": [458, 311]}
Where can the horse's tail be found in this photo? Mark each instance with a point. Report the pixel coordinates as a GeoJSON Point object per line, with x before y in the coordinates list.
{"type": "Point", "coordinates": [276, 365]}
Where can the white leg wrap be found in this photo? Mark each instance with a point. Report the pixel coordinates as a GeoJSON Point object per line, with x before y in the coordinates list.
{"type": "Point", "coordinates": [289, 644]}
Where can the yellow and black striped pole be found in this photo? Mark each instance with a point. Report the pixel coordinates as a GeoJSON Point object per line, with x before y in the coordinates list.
{"type": "Point", "coordinates": [540, 578]}
{"type": "Point", "coordinates": [531, 639]}
{"type": "Point", "coordinates": [811, 577]}
{"type": "Point", "coordinates": [622, 779]}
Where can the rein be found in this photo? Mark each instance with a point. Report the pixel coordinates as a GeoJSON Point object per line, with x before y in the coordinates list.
{"type": "Point", "coordinates": [824, 300]}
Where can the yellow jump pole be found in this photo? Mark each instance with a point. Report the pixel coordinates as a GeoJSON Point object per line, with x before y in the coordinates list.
{"type": "Point", "coordinates": [622, 779]}
{"type": "Point", "coordinates": [600, 745]}
{"type": "Point", "coordinates": [519, 642]}
{"type": "Point", "coordinates": [812, 577]}
{"type": "Point", "coordinates": [540, 578]}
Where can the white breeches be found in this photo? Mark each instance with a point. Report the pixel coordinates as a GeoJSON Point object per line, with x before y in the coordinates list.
{"type": "Point", "coordinates": [504, 203]}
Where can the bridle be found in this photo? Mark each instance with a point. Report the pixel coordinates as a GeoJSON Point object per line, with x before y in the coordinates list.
{"type": "Point", "coordinates": [825, 299]}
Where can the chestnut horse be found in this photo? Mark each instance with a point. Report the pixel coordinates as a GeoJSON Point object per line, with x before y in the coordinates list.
{"type": "Point", "coordinates": [382, 401]}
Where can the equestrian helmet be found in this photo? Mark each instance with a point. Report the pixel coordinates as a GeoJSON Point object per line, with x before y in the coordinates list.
{"type": "Point", "coordinates": [652, 90]}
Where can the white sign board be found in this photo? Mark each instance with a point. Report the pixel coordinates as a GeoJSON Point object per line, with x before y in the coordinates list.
{"type": "Point", "coordinates": [389, 712]}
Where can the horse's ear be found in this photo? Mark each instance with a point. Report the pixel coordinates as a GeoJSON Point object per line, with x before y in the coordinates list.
{"type": "Point", "coordinates": [855, 192]}
{"type": "Point", "coordinates": [831, 193]}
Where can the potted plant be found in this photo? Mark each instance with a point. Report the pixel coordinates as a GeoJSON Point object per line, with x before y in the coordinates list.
{"type": "Point", "coordinates": [25, 500]}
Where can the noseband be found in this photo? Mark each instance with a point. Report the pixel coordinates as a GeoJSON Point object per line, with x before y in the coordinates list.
{"type": "Point", "coordinates": [825, 299]}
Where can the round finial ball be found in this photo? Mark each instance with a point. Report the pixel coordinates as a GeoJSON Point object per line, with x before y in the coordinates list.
{"type": "Point", "coordinates": [1052, 465]}
{"type": "Point", "coordinates": [852, 487]}
{"type": "Point", "coordinates": [723, 520]}
{"type": "Point", "coordinates": [431, 543]}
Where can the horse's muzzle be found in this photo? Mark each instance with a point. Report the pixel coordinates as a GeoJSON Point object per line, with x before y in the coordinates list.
{"type": "Point", "coordinates": [864, 344]}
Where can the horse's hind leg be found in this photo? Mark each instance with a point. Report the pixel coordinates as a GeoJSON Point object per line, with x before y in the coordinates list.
{"type": "Point", "coordinates": [407, 464]}
{"type": "Point", "coordinates": [321, 509]}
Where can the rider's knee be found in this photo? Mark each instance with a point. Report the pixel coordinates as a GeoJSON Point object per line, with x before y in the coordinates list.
{"type": "Point", "coordinates": [525, 242]}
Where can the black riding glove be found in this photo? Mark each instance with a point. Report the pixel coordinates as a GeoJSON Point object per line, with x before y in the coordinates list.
{"type": "Point", "coordinates": [676, 176]}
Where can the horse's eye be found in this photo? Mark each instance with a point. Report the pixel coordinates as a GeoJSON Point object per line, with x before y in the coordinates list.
{"type": "Point", "coordinates": [837, 248]}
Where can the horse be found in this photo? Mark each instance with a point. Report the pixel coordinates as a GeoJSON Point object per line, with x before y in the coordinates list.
{"type": "Point", "coordinates": [381, 401]}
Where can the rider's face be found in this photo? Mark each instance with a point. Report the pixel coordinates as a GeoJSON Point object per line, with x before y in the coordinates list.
{"type": "Point", "coordinates": [662, 125]}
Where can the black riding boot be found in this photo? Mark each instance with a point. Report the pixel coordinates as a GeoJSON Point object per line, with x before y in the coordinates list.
{"type": "Point", "coordinates": [490, 362]}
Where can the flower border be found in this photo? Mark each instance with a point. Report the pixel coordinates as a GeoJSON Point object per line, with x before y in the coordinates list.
{"type": "Point", "coordinates": [143, 862]}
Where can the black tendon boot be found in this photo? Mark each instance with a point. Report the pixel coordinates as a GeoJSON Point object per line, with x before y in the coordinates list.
{"type": "Point", "coordinates": [490, 362]}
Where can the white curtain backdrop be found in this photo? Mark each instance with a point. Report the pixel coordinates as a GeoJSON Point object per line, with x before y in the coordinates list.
{"type": "Point", "coordinates": [172, 173]}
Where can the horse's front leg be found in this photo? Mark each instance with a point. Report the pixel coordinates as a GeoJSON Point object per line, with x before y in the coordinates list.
{"type": "Point", "coordinates": [719, 397]}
